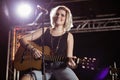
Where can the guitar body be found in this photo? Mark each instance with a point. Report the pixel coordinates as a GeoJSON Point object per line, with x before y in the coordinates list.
{"type": "Point", "coordinates": [28, 61]}
{"type": "Point", "coordinates": [24, 59]}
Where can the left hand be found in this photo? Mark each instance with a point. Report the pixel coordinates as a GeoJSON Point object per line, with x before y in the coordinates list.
{"type": "Point", "coordinates": [71, 62]}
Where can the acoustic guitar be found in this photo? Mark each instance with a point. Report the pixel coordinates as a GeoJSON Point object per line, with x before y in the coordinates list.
{"type": "Point", "coordinates": [24, 59]}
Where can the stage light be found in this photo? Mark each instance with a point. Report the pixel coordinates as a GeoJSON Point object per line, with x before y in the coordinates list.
{"type": "Point", "coordinates": [20, 11]}
{"type": "Point", "coordinates": [102, 74]}
{"type": "Point", "coordinates": [23, 10]}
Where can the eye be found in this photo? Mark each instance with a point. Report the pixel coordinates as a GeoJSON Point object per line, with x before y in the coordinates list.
{"type": "Point", "coordinates": [62, 15]}
{"type": "Point", "coordinates": [57, 14]}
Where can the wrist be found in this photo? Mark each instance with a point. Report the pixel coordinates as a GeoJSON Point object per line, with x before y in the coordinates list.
{"type": "Point", "coordinates": [26, 46]}
{"type": "Point", "coordinates": [30, 47]}
{"type": "Point", "coordinates": [33, 49]}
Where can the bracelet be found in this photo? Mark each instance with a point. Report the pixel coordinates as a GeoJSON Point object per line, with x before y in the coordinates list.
{"type": "Point", "coordinates": [31, 48]}
{"type": "Point", "coordinates": [26, 46]}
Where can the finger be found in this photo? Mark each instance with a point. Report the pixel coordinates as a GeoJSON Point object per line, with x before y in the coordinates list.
{"type": "Point", "coordinates": [74, 57]}
{"type": "Point", "coordinates": [36, 55]}
{"type": "Point", "coordinates": [39, 53]}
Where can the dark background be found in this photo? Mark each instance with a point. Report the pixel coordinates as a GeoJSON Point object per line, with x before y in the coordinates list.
{"type": "Point", "coordinates": [103, 45]}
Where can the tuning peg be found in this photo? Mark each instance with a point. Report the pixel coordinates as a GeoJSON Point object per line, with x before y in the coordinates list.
{"type": "Point", "coordinates": [78, 60]}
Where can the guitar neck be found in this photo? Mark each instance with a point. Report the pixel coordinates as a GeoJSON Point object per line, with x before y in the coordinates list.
{"type": "Point", "coordinates": [55, 58]}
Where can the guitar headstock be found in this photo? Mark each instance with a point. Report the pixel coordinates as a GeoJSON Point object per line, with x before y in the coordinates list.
{"type": "Point", "coordinates": [87, 63]}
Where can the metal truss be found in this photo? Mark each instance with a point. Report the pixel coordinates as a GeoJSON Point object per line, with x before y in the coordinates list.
{"type": "Point", "coordinates": [93, 25]}
{"type": "Point", "coordinates": [96, 25]}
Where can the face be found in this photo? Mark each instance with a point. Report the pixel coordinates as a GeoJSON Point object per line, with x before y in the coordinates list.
{"type": "Point", "coordinates": [60, 17]}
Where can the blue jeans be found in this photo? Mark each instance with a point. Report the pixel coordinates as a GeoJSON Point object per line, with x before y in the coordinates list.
{"type": "Point", "coordinates": [59, 74]}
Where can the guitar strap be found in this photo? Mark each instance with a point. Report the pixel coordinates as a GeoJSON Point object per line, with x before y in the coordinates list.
{"type": "Point", "coordinates": [22, 59]}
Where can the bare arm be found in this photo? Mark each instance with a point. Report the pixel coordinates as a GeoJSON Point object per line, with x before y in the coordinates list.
{"type": "Point", "coordinates": [70, 44]}
{"type": "Point", "coordinates": [27, 39]}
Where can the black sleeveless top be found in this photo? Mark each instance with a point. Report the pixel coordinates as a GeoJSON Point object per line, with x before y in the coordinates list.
{"type": "Point", "coordinates": [58, 46]}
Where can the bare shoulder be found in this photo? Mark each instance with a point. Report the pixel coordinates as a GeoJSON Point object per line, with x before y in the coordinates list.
{"type": "Point", "coordinates": [70, 35]}
{"type": "Point", "coordinates": [40, 29]}
{"type": "Point", "coordinates": [36, 34]}
{"type": "Point", "coordinates": [45, 28]}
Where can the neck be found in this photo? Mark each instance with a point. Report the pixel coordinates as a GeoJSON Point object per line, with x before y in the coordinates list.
{"type": "Point", "coordinates": [59, 28]}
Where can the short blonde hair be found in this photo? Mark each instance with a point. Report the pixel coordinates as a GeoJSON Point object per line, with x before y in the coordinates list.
{"type": "Point", "coordinates": [68, 23]}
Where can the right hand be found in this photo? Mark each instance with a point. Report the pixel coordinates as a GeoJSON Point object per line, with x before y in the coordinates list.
{"type": "Point", "coordinates": [36, 53]}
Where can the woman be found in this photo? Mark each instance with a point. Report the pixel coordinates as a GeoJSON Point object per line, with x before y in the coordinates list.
{"type": "Point", "coordinates": [59, 40]}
